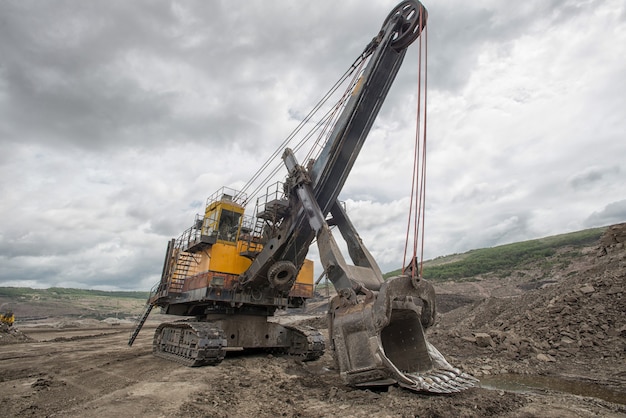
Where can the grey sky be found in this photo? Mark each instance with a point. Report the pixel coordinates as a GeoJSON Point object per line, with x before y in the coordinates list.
{"type": "Point", "coordinates": [119, 119]}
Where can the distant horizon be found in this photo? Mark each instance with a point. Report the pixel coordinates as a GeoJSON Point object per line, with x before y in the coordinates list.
{"type": "Point", "coordinates": [120, 118]}
{"type": "Point", "coordinates": [389, 272]}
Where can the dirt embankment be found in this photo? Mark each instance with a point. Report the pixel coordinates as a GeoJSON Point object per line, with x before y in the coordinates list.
{"type": "Point", "coordinates": [12, 335]}
{"type": "Point", "coordinates": [573, 325]}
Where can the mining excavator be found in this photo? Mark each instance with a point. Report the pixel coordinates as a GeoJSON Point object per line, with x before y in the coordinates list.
{"type": "Point", "coordinates": [231, 272]}
{"type": "Point", "coordinates": [7, 318]}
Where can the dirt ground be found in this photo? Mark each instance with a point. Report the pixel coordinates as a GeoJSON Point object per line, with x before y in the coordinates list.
{"type": "Point", "coordinates": [91, 372]}
{"type": "Point", "coordinates": [544, 344]}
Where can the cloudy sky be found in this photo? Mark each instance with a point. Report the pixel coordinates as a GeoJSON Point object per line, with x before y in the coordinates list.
{"type": "Point", "coordinates": [118, 120]}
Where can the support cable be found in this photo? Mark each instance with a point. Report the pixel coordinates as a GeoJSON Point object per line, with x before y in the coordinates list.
{"type": "Point", "coordinates": [417, 204]}
{"type": "Point", "coordinates": [327, 121]}
{"type": "Point", "coordinates": [354, 68]}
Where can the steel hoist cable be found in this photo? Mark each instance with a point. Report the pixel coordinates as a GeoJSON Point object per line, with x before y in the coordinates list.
{"type": "Point", "coordinates": [273, 163]}
{"type": "Point", "coordinates": [417, 204]}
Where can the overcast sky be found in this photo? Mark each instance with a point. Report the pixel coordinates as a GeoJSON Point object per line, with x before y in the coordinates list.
{"type": "Point", "coordinates": [119, 118]}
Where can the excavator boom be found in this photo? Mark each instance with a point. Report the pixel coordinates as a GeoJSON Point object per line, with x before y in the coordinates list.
{"type": "Point", "coordinates": [331, 169]}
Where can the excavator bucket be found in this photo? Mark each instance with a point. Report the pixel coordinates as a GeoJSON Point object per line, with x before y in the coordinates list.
{"type": "Point", "coordinates": [380, 340]}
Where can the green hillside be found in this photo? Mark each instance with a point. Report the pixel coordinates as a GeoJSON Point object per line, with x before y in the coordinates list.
{"type": "Point", "coordinates": [28, 304]}
{"type": "Point", "coordinates": [499, 260]}
{"type": "Point", "coordinates": [504, 258]}
{"type": "Point", "coordinates": [63, 293]}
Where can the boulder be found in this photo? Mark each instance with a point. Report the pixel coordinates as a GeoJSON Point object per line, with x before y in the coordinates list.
{"type": "Point", "coordinates": [484, 340]}
{"type": "Point", "coordinates": [587, 289]}
{"type": "Point", "coordinates": [545, 357]}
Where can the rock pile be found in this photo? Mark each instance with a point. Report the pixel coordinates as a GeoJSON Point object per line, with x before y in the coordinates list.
{"type": "Point", "coordinates": [11, 335]}
{"type": "Point", "coordinates": [580, 318]}
{"type": "Point", "coordinates": [613, 240]}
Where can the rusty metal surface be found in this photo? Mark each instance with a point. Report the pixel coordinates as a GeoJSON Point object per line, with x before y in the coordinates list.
{"type": "Point", "coordinates": [196, 343]}
{"type": "Point", "coordinates": [380, 340]}
{"type": "Point", "coordinates": [189, 343]}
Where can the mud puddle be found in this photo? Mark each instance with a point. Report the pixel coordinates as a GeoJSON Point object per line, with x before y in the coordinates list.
{"type": "Point", "coordinates": [534, 383]}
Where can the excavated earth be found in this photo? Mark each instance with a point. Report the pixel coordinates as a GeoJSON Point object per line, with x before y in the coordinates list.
{"type": "Point", "coordinates": [544, 341]}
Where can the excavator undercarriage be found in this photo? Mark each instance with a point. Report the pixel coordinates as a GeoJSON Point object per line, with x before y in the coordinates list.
{"type": "Point", "coordinates": [196, 343]}
{"type": "Point", "coordinates": [231, 273]}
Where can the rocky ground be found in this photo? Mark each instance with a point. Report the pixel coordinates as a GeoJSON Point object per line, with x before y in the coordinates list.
{"type": "Point", "coordinates": [547, 344]}
{"type": "Point", "coordinates": [573, 323]}
{"type": "Point", "coordinates": [77, 373]}
{"type": "Point", "coordinates": [11, 335]}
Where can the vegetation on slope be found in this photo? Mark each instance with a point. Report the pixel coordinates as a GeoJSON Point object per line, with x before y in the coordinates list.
{"type": "Point", "coordinates": [29, 304]}
{"type": "Point", "coordinates": [63, 293]}
{"type": "Point", "coordinates": [503, 258]}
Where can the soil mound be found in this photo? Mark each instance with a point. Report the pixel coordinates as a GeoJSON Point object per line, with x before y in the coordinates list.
{"type": "Point", "coordinates": [11, 335]}
{"type": "Point", "coordinates": [576, 325]}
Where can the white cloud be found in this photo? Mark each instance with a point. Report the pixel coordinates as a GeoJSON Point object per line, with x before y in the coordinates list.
{"type": "Point", "coordinates": [120, 118]}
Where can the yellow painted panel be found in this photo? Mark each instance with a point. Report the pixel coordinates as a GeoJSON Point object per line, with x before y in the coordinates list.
{"type": "Point", "coordinates": [305, 276]}
{"type": "Point", "coordinates": [233, 207]}
{"type": "Point", "coordinates": [205, 259]}
{"type": "Point", "coordinates": [225, 258]}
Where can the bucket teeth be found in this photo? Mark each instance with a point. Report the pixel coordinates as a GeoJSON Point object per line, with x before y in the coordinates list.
{"type": "Point", "coordinates": [441, 378]}
{"type": "Point", "coordinates": [459, 377]}
{"type": "Point", "coordinates": [440, 381]}
{"type": "Point", "coordinates": [446, 382]}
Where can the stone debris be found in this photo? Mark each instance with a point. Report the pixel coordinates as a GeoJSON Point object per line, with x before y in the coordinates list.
{"type": "Point", "coordinates": [484, 340]}
{"type": "Point", "coordinates": [581, 318]}
{"type": "Point", "coordinates": [545, 357]}
{"type": "Point", "coordinates": [12, 335]}
{"type": "Point", "coordinates": [586, 289]}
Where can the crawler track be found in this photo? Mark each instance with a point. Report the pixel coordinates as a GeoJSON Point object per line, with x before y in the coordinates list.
{"type": "Point", "coordinates": [196, 344]}
{"type": "Point", "coordinates": [306, 342]}
{"type": "Point", "coordinates": [190, 343]}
